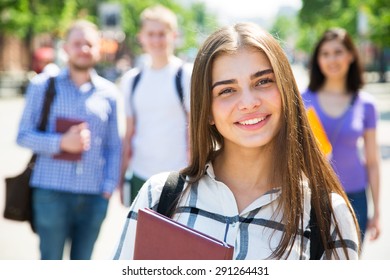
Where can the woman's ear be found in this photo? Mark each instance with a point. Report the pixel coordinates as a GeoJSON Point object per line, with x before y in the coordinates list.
{"type": "Point", "coordinates": [211, 121]}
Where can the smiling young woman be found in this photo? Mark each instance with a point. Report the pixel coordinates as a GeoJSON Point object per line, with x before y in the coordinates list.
{"type": "Point", "coordinates": [348, 115]}
{"type": "Point", "coordinates": [256, 173]}
{"type": "Point", "coordinates": [246, 104]}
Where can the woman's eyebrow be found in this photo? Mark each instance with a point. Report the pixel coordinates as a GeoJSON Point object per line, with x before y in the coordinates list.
{"type": "Point", "coordinates": [261, 73]}
{"type": "Point", "coordinates": [232, 81]}
{"type": "Point", "coordinates": [224, 82]}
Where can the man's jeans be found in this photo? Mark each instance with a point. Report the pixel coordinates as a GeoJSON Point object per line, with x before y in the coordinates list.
{"type": "Point", "coordinates": [60, 217]}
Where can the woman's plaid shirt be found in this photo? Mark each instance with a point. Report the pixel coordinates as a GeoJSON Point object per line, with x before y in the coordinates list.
{"type": "Point", "coordinates": [210, 207]}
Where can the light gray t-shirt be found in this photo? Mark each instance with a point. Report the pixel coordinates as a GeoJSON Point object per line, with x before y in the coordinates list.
{"type": "Point", "coordinates": [160, 140]}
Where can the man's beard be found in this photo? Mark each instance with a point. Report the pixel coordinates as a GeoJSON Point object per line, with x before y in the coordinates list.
{"type": "Point", "coordinates": [81, 67]}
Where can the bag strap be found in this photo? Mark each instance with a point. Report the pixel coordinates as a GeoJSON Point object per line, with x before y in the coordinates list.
{"type": "Point", "coordinates": [173, 187]}
{"type": "Point", "coordinates": [316, 245]}
{"type": "Point", "coordinates": [49, 97]}
{"type": "Point", "coordinates": [170, 194]}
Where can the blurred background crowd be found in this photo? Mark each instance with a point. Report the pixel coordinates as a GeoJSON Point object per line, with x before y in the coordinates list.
{"type": "Point", "coordinates": [31, 31]}
{"type": "Point", "coordinates": [31, 41]}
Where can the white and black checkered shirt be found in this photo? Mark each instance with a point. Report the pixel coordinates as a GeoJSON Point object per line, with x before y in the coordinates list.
{"type": "Point", "coordinates": [210, 207]}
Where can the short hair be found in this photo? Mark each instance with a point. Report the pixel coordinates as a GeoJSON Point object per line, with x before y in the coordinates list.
{"type": "Point", "coordinates": [161, 14]}
{"type": "Point", "coordinates": [81, 24]}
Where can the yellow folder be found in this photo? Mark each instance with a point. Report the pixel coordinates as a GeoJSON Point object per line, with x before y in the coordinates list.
{"type": "Point", "coordinates": [319, 131]}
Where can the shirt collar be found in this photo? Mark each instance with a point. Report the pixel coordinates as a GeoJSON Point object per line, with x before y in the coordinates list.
{"type": "Point", "coordinates": [266, 198]}
{"type": "Point", "coordinates": [210, 170]}
{"type": "Point", "coordinates": [93, 74]}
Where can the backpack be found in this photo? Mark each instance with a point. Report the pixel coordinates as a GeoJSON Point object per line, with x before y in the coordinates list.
{"type": "Point", "coordinates": [173, 187]}
{"type": "Point", "coordinates": [179, 88]}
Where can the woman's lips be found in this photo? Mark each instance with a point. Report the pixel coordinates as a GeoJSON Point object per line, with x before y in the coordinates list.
{"type": "Point", "coordinates": [253, 123]}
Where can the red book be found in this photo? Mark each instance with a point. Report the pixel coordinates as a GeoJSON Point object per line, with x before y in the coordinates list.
{"type": "Point", "coordinates": [62, 126]}
{"type": "Point", "coordinates": [161, 238]}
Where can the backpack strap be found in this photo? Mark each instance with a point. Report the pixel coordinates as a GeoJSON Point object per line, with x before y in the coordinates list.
{"type": "Point", "coordinates": [316, 245]}
{"type": "Point", "coordinates": [173, 187]}
{"type": "Point", "coordinates": [135, 82]}
{"type": "Point", "coordinates": [170, 194]}
{"type": "Point", "coordinates": [179, 87]}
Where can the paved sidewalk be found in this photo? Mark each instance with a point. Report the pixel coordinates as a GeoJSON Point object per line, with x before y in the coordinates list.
{"type": "Point", "coordinates": [18, 243]}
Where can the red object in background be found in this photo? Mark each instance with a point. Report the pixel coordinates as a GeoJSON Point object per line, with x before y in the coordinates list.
{"type": "Point", "coordinates": [42, 57]}
{"type": "Point", "coordinates": [109, 46]}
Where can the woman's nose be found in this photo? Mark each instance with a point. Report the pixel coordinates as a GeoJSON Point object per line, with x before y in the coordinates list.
{"type": "Point", "coordinates": [332, 57]}
{"type": "Point", "coordinates": [248, 100]}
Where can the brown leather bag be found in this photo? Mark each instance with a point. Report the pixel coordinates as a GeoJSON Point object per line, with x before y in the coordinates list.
{"type": "Point", "coordinates": [18, 193]}
{"type": "Point", "coordinates": [18, 196]}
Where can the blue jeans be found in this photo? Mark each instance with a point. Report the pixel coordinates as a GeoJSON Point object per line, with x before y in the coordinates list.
{"type": "Point", "coordinates": [61, 217]}
{"type": "Point", "coordinates": [359, 205]}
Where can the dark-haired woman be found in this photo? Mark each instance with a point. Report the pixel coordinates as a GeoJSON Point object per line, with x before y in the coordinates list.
{"type": "Point", "coordinates": [348, 115]}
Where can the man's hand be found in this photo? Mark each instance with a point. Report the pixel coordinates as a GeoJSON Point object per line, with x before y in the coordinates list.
{"type": "Point", "coordinates": [107, 195]}
{"type": "Point", "coordinates": [77, 139]}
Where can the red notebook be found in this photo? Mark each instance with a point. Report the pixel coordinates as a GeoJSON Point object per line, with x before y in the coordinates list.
{"type": "Point", "coordinates": [62, 125]}
{"type": "Point", "coordinates": [161, 238]}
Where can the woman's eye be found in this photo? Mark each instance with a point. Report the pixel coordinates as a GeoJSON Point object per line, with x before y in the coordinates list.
{"type": "Point", "coordinates": [264, 81]}
{"type": "Point", "coordinates": [226, 91]}
{"type": "Point", "coordinates": [323, 54]}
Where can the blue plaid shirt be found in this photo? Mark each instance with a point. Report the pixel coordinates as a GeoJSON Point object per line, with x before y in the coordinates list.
{"type": "Point", "coordinates": [95, 103]}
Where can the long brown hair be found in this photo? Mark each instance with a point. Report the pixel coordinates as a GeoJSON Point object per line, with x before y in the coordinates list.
{"type": "Point", "coordinates": [295, 150]}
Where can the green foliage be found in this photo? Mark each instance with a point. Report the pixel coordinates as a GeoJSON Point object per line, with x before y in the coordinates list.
{"type": "Point", "coordinates": [130, 14]}
{"type": "Point", "coordinates": [192, 21]}
{"type": "Point", "coordinates": [378, 12]}
{"type": "Point", "coordinates": [15, 17]}
{"type": "Point", "coordinates": [27, 18]}
{"type": "Point", "coordinates": [316, 16]}
{"type": "Point", "coordinates": [284, 27]}
{"type": "Point", "coordinates": [306, 39]}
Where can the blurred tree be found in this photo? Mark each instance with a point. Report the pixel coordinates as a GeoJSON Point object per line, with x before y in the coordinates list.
{"type": "Point", "coordinates": [378, 15]}
{"type": "Point", "coordinates": [316, 16]}
{"type": "Point", "coordinates": [22, 17]}
{"type": "Point", "coordinates": [193, 20]}
{"type": "Point", "coordinates": [285, 29]}
{"type": "Point", "coordinates": [28, 18]}
{"type": "Point", "coordinates": [200, 24]}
